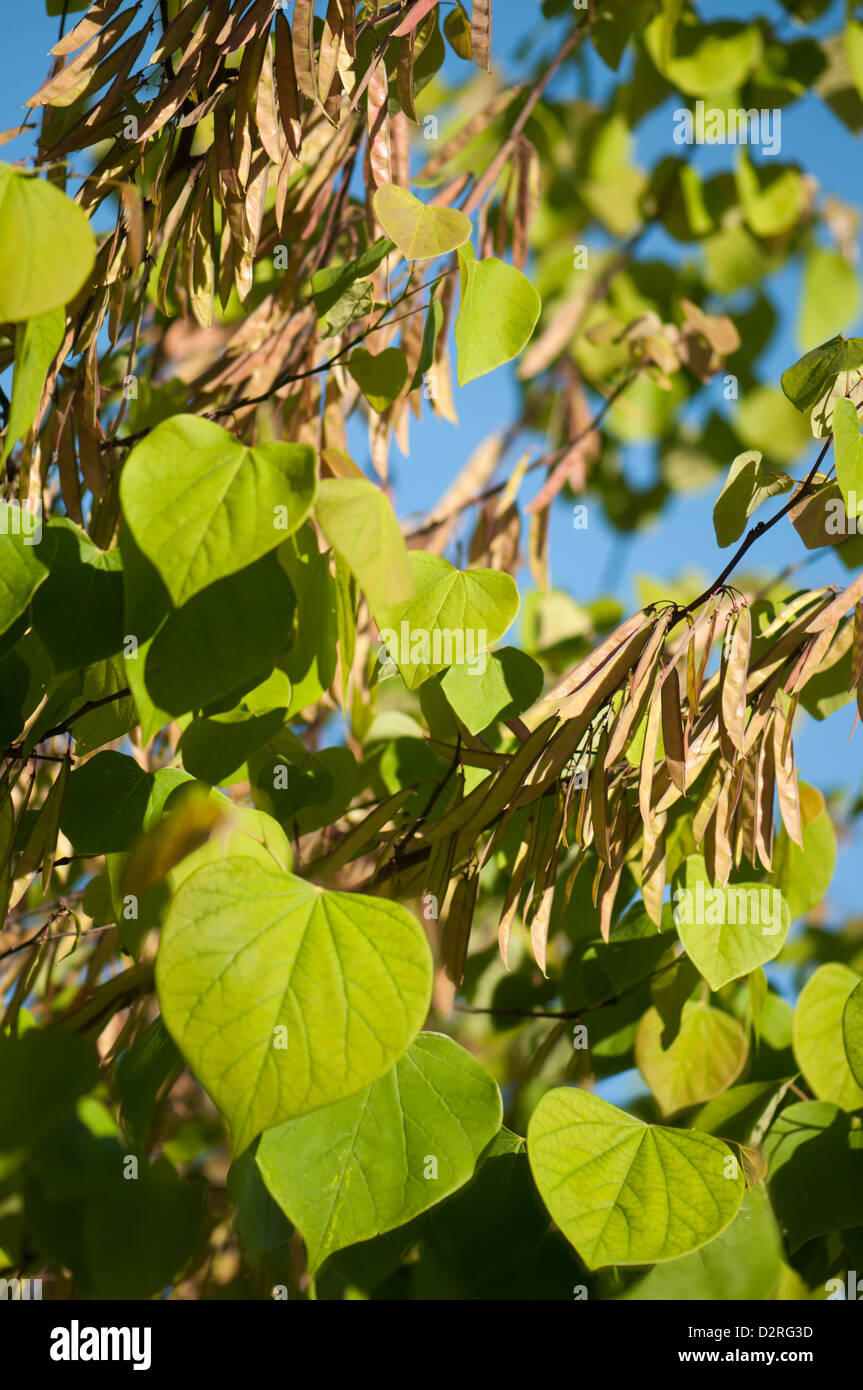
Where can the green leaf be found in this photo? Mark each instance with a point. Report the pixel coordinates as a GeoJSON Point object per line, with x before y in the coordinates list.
{"type": "Point", "coordinates": [815, 1156]}
{"type": "Point", "coordinates": [380, 376]}
{"type": "Point", "coordinates": [138, 1235]}
{"type": "Point", "coordinates": [37, 343]}
{"type": "Point", "coordinates": [624, 1192]}
{"type": "Point", "coordinates": [311, 662]}
{"type": "Point", "coordinates": [772, 197]}
{"type": "Point", "coordinates": [849, 455]}
{"type": "Point", "coordinates": [216, 749]}
{"type": "Point", "coordinates": [78, 612]}
{"type": "Point", "coordinates": [854, 51]}
{"type": "Point", "coordinates": [742, 1264]}
{"type": "Point", "coordinates": [224, 640]}
{"type": "Point", "coordinates": [433, 326]}
{"type": "Point", "coordinates": [809, 378]}
{"type": "Point", "coordinates": [819, 1045]}
{"type": "Point", "coordinates": [249, 833]}
{"type": "Point", "coordinates": [114, 718]}
{"type": "Point", "coordinates": [707, 57]}
{"type": "Point", "coordinates": [497, 315]}
{"type": "Point", "coordinates": [727, 932]}
{"type": "Point", "coordinates": [852, 1032]}
{"type": "Point", "coordinates": [453, 618]}
{"type": "Point", "coordinates": [704, 1059]}
{"type": "Point", "coordinates": [374, 1161]}
{"type": "Point", "coordinates": [261, 1224]}
{"type": "Point", "coordinates": [111, 799]}
{"type": "Point", "coordinates": [22, 570]}
{"type": "Point", "coordinates": [511, 682]}
{"type": "Point", "coordinates": [803, 875]}
{"type": "Point", "coordinates": [248, 952]}
{"type": "Point", "coordinates": [145, 1073]}
{"type": "Point", "coordinates": [47, 249]}
{"type": "Point", "coordinates": [202, 506]}
{"type": "Point", "coordinates": [456, 27]}
{"type": "Point", "coordinates": [332, 282]}
{"type": "Point", "coordinates": [420, 232]}
{"type": "Point", "coordinates": [358, 520]}
{"type": "Point", "coordinates": [356, 302]}
{"type": "Point", "coordinates": [735, 1114]}
{"type": "Point", "coordinates": [829, 297]}
{"type": "Point", "coordinates": [748, 485]}
{"type": "Point", "coordinates": [319, 785]}
{"type": "Point", "coordinates": [44, 1072]}
{"type": "Point", "coordinates": [492, 1233]}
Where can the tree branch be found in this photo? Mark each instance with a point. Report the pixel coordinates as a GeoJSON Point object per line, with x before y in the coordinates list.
{"type": "Point", "coordinates": [755, 533]}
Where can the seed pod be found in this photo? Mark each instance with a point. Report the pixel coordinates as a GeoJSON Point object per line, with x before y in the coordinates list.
{"type": "Point", "coordinates": [764, 792]}
{"type": "Point", "coordinates": [736, 650]}
{"type": "Point", "coordinates": [599, 798]}
{"type": "Point", "coordinates": [648, 752]}
{"type": "Point", "coordinates": [653, 867]}
{"type": "Point", "coordinates": [707, 804]}
{"type": "Point", "coordinates": [721, 825]}
{"type": "Point", "coordinates": [608, 884]}
{"type": "Point", "coordinates": [672, 730]}
{"type": "Point", "coordinates": [786, 776]}
{"type": "Point", "coordinates": [642, 683]}
{"type": "Point", "coordinates": [456, 932]}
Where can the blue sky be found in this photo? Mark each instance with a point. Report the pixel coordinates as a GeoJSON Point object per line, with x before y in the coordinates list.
{"type": "Point", "coordinates": [683, 538]}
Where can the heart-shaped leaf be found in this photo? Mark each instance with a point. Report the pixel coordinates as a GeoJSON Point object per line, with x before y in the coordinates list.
{"type": "Point", "coordinates": [452, 620]}
{"type": "Point", "coordinates": [804, 873]}
{"type": "Point", "coordinates": [283, 997]}
{"type": "Point", "coordinates": [47, 249]}
{"type": "Point", "coordinates": [380, 376]}
{"type": "Point", "coordinates": [702, 1060]}
{"type": "Point", "coordinates": [358, 520]}
{"type": "Point", "coordinates": [744, 490]}
{"type": "Point", "coordinates": [819, 1040]}
{"type": "Point", "coordinates": [202, 506]}
{"type": "Point", "coordinates": [22, 569]}
{"type": "Point", "coordinates": [815, 1153]}
{"type": "Point", "coordinates": [36, 345]}
{"type": "Point", "coordinates": [807, 380]}
{"type": "Point", "coordinates": [510, 683]}
{"type": "Point", "coordinates": [497, 315]}
{"type": "Point", "coordinates": [78, 612]}
{"type": "Point", "coordinates": [849, 455]}
{"type": "Point", "coordinates": [624, 1192]}
{"type": "Point", "coordinates": [420, 232]}
{"type": "Point", "coordinates": [852, 1032]}
{"type": "Point", "coordinates": [743, 1264]}
{"type": "Point", "coordinates": [374, 1161]}
{"type": "Point", "coordinates": [110, 799]}
{"type": "Point", "coordinates": [729, 931]}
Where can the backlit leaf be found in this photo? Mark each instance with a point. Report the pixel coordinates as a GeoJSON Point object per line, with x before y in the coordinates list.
{"type": "Point", "coordinates": [372, 1162]}
{"type": "Point", "coordinates": [44, 267]}
{"type": "Point", "coordinates": [627, 1193]}
{"type": "Point", "coordinates": [497, 315]}
{"type": "Point", "coordinates": [283, 997]}
{"type": "Point", "coordinates": [420, 232]}
{"type": "Point", "coordinates": [202, 506]}
{"type": "Point", "coordinates": [819, 1045]}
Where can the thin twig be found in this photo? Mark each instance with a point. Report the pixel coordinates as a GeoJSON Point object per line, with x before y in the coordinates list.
{"type": "Point", "coordinates": [573, 1014]}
